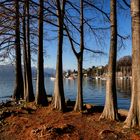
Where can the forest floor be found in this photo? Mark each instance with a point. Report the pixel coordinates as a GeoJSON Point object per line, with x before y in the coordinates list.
{"type": "Point", "coordinates": [30, 122]}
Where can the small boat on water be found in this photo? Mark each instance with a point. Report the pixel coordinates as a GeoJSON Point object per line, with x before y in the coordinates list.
{"type": "Point", "coordinates": [121, 78]}
{"type": "Point", "coordinates": [103, 78]}
{"type": "Point", "coordinates": [34, 78]}
{"type": "Point", "coordinates": [52, 78]}
{"type": "Point", "coordinates": [97, 77]}
{"type": "Point", "coordinates": [90, 78]}
{"type": "Point", "coordinates": [71, 78]}
{"type": "Point", "coordinates": [124, 77]}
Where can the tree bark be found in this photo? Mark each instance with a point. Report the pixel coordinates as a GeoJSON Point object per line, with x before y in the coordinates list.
{"type": "Point", "coordinates": [59, 99]}
{"type": "Point", "coordinates": [41, 97]}
{"type": "Point", "coordinates": [133, 117]}
{"type": "Point", "coordinates": [29, 91]}
{"type": "Point", "coordinates": [79, 100]}
{"type": "Point", "coordinates": [110, 108]}
{"type": "Point", "coordinates": [28, 87]}
{"type": "Point", "coordinates": [24, 50]}
{"type": "Point", "coordinates": [18, 91]}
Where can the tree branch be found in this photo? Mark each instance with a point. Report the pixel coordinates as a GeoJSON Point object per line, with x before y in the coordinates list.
{"type": "Point", "coordinates": [128, 5]}
{"type": "Point", "coordinates": [94, 51]}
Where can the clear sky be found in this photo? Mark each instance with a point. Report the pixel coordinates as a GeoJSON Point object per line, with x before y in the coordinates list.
{"type": "Point", "coordinates": [99, 40]}
{"type": "Point", "coordinates": [90, 59]}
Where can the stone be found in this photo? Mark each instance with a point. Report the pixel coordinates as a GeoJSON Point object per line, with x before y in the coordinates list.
{"type": "Point", "coordinates": [88, 106]}
{"type": "Point", "coordinates": [108, 135]}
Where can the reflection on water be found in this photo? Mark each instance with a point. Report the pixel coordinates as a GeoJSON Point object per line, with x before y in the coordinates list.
{"type": "Point", "coordinates": [124, 93]}
{"type": "Point", "coordinates": [93, 90]}
{"type": "Point", "coordinates": [124, 86]}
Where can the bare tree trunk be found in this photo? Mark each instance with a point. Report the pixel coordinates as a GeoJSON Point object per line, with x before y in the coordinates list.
{"type": "Point", "coordinates": [28, 88]}
{"type": "Point", "coordinates": [18, 91]}
{"type": "Point", "coordinates": [29, 91]}
{"type": "Point", "coordinates": [41, 97]}
{"type": "Point", "coordinates": [24, 50]}
{"type": "Point", "coordinates": [79, 99]}
{"type": "Point", "coordinates": [110, 108]}
{"type": "Point", "coordinates": [59, 99]}
{"type": "Point", "coordinates": [133, 117]}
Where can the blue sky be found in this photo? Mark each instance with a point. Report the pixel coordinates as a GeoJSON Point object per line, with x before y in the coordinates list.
{"type": "Point", "coordinates": [69, 61]}
{"type": "Point", "coordinates": [90, 59]}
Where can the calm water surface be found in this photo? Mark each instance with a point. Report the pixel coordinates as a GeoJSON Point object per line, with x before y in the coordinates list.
{"type": "Point", "coordinates": [94, 90]}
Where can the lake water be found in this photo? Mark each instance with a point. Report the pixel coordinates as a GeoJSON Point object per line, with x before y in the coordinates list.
{"type": "Point", "coordinates": [94, 90]}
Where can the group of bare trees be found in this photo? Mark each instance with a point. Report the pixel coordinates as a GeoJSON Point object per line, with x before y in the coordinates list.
{"type": "Point", "coordinates": [110, 109]}
{"type": "Point", "coordinates": [59, 17]}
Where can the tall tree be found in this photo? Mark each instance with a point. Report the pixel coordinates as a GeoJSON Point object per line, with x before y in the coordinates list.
{"type": "Point", "coordinates": [41, 97]}
{"type": "Point", "coordinates": [24, 49]}
{"type": "Point", "coordinates": [59, 99]}
{"type": "Point", "coordinates": [79, 99]}
{"type": "Point", "coordinates": [110, 108]}
{"type": "Point", "coordinates": [18, 91]}
{"type": "Point", "coordinates": [133, 117]}
{"type": "Point", "coordinates": [28, 87]}
{"type": "Point", "coordinates": [79, 55]}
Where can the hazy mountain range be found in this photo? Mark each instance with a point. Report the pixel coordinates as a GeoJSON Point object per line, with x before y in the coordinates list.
{"type": "Point", "coordinates": [10, 70]}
